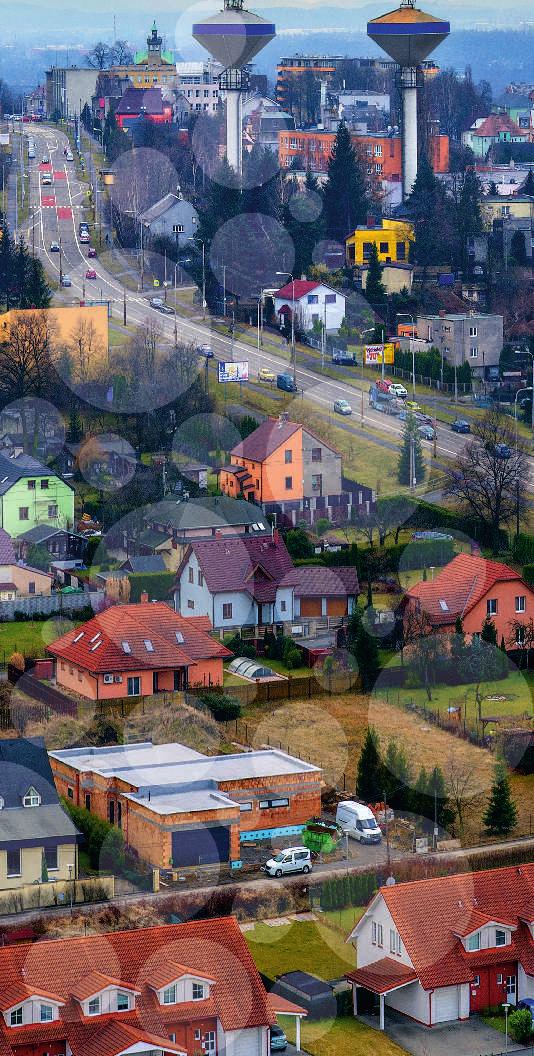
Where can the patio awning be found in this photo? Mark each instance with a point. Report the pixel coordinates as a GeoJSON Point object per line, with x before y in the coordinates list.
{"type": "Point", "coordinates": [383, 976]}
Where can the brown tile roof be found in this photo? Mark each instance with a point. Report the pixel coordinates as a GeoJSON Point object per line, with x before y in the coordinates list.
{"type": "Point", "coordinates": [382, 976]}
{"type": "Point", "coordinates": [254, 565]}
{"type": "Point", "coordinates": [266, 439]}
{"type": "Point", "coordinates": [496, 123]}
{"type": "Point", "coordinates": [7, 550]}
{"type": "Point", "coordinates": [94, 983]}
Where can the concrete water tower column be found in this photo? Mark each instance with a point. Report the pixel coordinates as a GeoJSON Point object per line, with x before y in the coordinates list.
{"type": "Point", "coordinates": [409, 129]}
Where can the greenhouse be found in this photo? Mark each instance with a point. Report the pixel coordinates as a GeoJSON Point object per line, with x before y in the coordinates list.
{"type": "Point", "coordinates": [249, 668]}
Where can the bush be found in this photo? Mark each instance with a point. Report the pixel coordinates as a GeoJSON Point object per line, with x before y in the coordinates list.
{"type": "Point", "coordinates": [291, 655]}
{"type": "Point", "coordinates": [520, 1026]}
{"type": "Point", "coordinates": [523, 549]}
{"type": "Point", "coordinates": [157, 585]}
{"type": "Point", "coordinates": [528, 574]}
{"type": "Point", "coordinates": [240, 648]}
{"type": "Point", "coordinates": [105, 843]}
{"type": "Point", "coordinates": [222, 706]}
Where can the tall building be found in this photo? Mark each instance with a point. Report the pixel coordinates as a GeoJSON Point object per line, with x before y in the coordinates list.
{"type": "Point", "coordinates": [381, 154]}
{"type": "Point", "coordinates": [69, 89]}
{"type": "Point", "coordinates": [198, 82]}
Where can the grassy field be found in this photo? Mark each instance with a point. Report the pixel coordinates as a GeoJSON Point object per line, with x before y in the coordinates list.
{"type": "Point", "coordinates": [342, 1036]}
{"type": "Point", "coordinates": [30, 638]}
{"type": "Point", "coordinates": [508, 697]}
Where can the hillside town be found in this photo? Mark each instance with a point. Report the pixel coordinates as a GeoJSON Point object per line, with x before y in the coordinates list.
{"type": "Point", "coordinates": [266, 541]}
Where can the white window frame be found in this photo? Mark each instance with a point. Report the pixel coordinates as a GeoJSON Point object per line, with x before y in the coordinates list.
{"type": "Point", "coordinates": [198, 996]}
{"type": "Point", "coordinates": [97, 1005]}
{"type": "Point", "coordinates": [492, 607]}
{"type": "Point", "coordinates": [32, 798]}
{"type": "Point", "coordinates": [521, 603]}
{"type": "Point", "coordinates": [16, 1016]}
{"type": "Point", "coordinates": [169, 995]}
{"type": "Point", "coordinates": [473, 942]}
{"type": "Point", "coordinates": [501, 931]}
{"type": "Point", "coordinates": [43, 1013]}
{"type": "Point", "coordinates": [123, 995]}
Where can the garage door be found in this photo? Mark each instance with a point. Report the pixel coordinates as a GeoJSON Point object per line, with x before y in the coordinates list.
{"type": "Point", "coordinates": [203, 846]}
{"type": "Point", "coordinates": [445, 1002]}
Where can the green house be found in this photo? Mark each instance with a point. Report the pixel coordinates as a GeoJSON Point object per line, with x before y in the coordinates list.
{"type": "Point", "coordinates": [32, 494]}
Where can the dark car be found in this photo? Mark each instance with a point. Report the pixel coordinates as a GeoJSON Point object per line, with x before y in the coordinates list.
{"type": "Point", "coordinates": [426, 432]}
{"type": "Point", "coordinates": [528, 1004]}
{"type": "Point", "coordinates": [461, 426]}
{"type": "Point", "coordinates": [499, 450]}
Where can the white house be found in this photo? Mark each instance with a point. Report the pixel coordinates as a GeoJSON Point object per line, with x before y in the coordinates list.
{"type": "Point", "coordinates": [171, 217]}
{"type": "Point", "coordinates": [311, 302]}
{"type": "Point", "coordinates": [439, 949]}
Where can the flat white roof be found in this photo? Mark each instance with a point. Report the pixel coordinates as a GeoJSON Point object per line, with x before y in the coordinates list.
{"type": "Point", "coordinates": [109, 760]}
{"type": "Point", "coordinates": [186, 802]}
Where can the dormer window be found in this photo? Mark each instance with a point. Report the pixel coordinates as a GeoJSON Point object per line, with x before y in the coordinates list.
{"type": "Point", "coordinates": [32, 798]}
{"type": "Point", "coordinates": [169, 995]}
{"type": "Point", "coordinates": [15, 1018]}
{"type": "Point", "coordinates": [500, 937]}
{"type": "Point", "coordinates": [123, 1001]}
{"type": "Point", "coordinates": [199, 991]}
{"type": "Point", "coordinates": [93, 1007]}
{"type": "Point", "coordinates": [473, 942]}
{"type": "Point", "coordinates": [46, 1013]}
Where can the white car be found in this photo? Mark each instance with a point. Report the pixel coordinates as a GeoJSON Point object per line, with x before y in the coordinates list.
{"type": "Point", "coordinates": [69, 156]}
{"type": "Point", "coordinates": [398, 390]}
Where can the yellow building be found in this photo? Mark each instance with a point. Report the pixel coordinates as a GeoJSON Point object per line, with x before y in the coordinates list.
{"type": "Point", "coordinates": [151, 68]}
{"type": "Point", "coordinates": [392, 239]}
{"type": "Point", "coordinates": [505, 207]}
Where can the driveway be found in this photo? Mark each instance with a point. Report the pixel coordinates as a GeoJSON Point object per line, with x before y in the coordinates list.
{"type": "Point", "coordinates": [472, 1038]}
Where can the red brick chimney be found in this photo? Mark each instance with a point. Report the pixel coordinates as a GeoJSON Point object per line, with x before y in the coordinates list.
{"type": "Point", "coordinates": [371, 221]}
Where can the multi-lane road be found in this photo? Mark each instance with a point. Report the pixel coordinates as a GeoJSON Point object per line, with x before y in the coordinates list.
{"type": "Point", "coordinates": [55, 213]}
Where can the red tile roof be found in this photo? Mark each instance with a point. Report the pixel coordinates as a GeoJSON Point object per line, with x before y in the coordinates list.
{"type": "Point", "coordinates": [382, 976]}
{"type": "Point", "coordinates": [135, 625]}
{"type": "Point", "coordinates": [301, 287]}
{"type": "Point", "coordinates": [267, 438]}
{"type": "Point", "coordinates": [171, 971]}
{"type": "Point", "coordinates": [460, 585]}
{"type": "Point", "coordinates": [113, 1038]}
{"type": "Point", "coordinates": [148, 101]}
{"type": "Point", "coordinates": [280, 1005]}
{"type": "Point", "coordinates": [250, 564]}
{"type": "Point", "coordinates": [496, 123]}
{"type": "Point", "coordinates": [20, 991]}
{"type": "Point", "coordinates": [95, 982]}
{"type": "Point", "coordinates": [429, 915]}
{"type": "Point", "coordinates": [7, 550]}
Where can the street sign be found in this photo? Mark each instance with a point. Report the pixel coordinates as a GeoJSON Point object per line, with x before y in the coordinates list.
{"type": "Point", "coordinates": [374, 354]}
{"type": "Point", "coordinates": [233, 371]}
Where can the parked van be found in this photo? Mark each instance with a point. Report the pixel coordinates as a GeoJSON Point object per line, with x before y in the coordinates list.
{"type": "Point", "coordinates": [292, 860]}
{"type": "Point", "coordinates": [358, 821]}
{"type": "Point", "coordinates": [285, 381]}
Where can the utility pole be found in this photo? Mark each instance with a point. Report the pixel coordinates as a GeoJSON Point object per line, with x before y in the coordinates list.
{"type": "Point", "coordinates": [124, 305]}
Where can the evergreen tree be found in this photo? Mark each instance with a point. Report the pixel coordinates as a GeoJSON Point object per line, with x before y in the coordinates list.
{"type": "Point", "coordinates": [223, 202]}
{"type": "Point", "coordinates": [370, 774]}
{"type": "Point", "coordinates": [500, 817]}
{"type": "Point", "coordinates": [38, 292]}
{"type": "Point", "coordinates": [6, 263]}
{"type": "Point", "coordinates": [397, 777]}
{"type": "Point", "coordinates": [365, 650]}
{"type": "Point", "coordinates": [75, 426]}
{"type": "Point", "coordinates": [518, 252]}
{"type": "Point", "coordinates": [305, 231]}
{"type": "Point", "coordinates": [411, 440]}
{"type": "Point", "coordinates": [489, 632]}
{"type": "Point", "coordinates": [345, 193]}
{"type": "Point", "coordinates": [375, 291]}
{"type": "Point", "coordinates": [468, 217]}
{"type": "Point", "coordinates": [430, 214]}
{"type": "Point", "coordinates": [528, 186]}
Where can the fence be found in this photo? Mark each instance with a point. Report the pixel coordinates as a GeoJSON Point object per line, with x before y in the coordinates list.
{"type": "Point", "coordinates": [57, 893]}
{"type": "Point", "coordinates": [48, 604]}
{"type": "Point", "coordinates": [287, 688]}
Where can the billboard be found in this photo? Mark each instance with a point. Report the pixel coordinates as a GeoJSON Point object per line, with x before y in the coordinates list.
{"type": "Point", "coordinates": [374, 354]}
{"type": "Point", "coordinates": [233, 371]}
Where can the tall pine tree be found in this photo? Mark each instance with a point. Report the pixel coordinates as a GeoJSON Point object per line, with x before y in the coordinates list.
{"type": "Point", "coordinates": [345, 194]}
{"type": "Point", "coordinates": [375, 291]}
{"type": "Point", "coordinates": [528, 186]}
{"type": "Point", "coordinates": [369, 773]}
{"type": "Point", "coordinates": [411, 441]}
{"type": "Point", "coordinates": [430, 215]}
{"type": "Point", "coordinates": [500, 817]}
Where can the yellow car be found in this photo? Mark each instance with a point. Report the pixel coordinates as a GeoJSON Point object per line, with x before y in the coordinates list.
{"type": "Point", "coordinates": [412, 405]}
{"type": "Point", "coordinates": [264, 374]}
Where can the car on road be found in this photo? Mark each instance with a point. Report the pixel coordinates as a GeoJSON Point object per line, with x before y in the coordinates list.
{"type": "Point", "coordinates": [66, 281]}
{"type": "Point", "coordinates": [206, 351]}
{"type": "Point", "coordinates": [426, 432]}
{"type": "Point", "coordinates": [90, 273]}
{"type": "Point", "coordinates": [412, 405]}
{"type": "Point", "coordinates": [265, 374]}
{"type": "Point", "coordinates": [342, 407]}
{"type": "Point", "coordinates": [384, 384]}
{"type": "Point", "coordinates": [166, 309]}
{"type": "Point", "coordinates": [460, 426]}
{"type": "Point", "coordinates": [45, 160]}
{"type": "Point", "coordinates": [292, 860]}
{"type": "Point", "coordinates": [85, 237]}
{"type": "Point", "coordinates": [499, 450]}
{"type": "Point", "coordinates": [156, 302]}
{"type": "Point", "coordinates": [398, 390]}
{"type": "Point", "coordinates": [286, 382]}
{"type": "Point", "coordinates": [278, 1040]}
{"type": "Point", "coordinates": [91, 252]}
{"type": "Point", "coordinates": [46, 180]}
{"type": "Point", "coordinates": [69, 156]}
{"type": "Point", "coordinates": [55, 247]}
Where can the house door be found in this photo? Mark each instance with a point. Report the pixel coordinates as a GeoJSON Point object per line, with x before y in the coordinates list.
{"type": "Point", "coordinates": [155, 682]}
{"type": "Point", "coordinates": [511, 989]}
{"type": "Point", "coordinates": [178, 681]}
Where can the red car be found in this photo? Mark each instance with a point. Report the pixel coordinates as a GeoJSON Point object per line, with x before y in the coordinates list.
{"type": "Point", "coordinates": [91, 252]}
{"type": "Point", "coordinates": [383, 384]}
{"type": "Point", "coordinates": [90, 273]}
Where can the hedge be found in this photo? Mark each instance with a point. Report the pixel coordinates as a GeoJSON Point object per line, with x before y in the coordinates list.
{"type": "Point", "coordinates": [528, 574]}
{"type": "Point", "coordinates": [105, 843]}
{"type": "Point", "coordinates": [158, 585]}
{"type": "Point", "coordinates": [523, 549]}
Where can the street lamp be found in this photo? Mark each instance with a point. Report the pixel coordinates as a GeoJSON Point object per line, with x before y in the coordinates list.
{"type": "Point", "coordinates": [506, 1007]}
{"type": "Point", "coordinates": [288, 275]}
{"type": "Point", "coordinates": [194, 238]}
{"type": "Point", "coordinates": [525, 352]}
{"type": "Point", "coordinates": [406, 315]}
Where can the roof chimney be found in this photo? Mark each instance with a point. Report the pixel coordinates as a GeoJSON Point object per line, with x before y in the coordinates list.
{"type": "Point", "coordinates": [144, 597]}
{"type": "Point", "coordinates": [370, 221]}
{"type": "Point", "coordinates": [442, 313]}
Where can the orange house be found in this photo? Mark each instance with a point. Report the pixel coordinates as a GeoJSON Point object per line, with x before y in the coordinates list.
{"type": "Point", "coordinates": [380, 154]}
{"type": "Point", "coordinates": [268, 465]}
{"type": "Point", "coordinates": [473, 588]}
{"type": "Point", "coordinates": [137, 650]}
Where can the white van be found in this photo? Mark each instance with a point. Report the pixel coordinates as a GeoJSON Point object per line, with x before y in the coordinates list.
{"type": "Point", "coordinates": [358, 821]}
{"type": "Point", "coordinates": [292, 860]}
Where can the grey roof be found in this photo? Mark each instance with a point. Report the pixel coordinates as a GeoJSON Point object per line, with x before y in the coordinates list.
{"type": "Point", "coordinates": [204, 513]}
{"type": "Point", "coordinates": [150, 537]}
{"type": "Point", "coordinates": [108, 759]}
{"type": "Point", "coordinates": [160, 208]}
{"type": "Point", "coordinates": [183, 801]}
{"type": "Point", "coordinates": [14, 469]}
{"type": "Point", "coordinates": [146, 563]}
{"type": "Point", "coordinates": [36, 823]}
{"type": "Point", "coordinates": [24, 763]}
{"type": "Point", "coordinates": [41, 532]}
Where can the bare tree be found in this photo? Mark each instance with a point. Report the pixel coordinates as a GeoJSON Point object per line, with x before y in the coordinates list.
{"type": "Point", "coordinates": [121, 53]}
{"type": "Point", "coordinates": [100, 56]}
{"type": "Point", "coordinates": [489, 476]}
{"type": "Point", "coordinates": [86, 352]}
{"type": "Point", "coordinates": [463, 789]}
{"type": "Point", "coordinates": [521, 637]}
{"type": "Point", "coordinates": [25, 356]}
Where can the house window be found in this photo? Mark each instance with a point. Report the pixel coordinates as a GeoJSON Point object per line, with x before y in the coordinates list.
{"type": "Point", "coordinates": [380, 935]}
{"type": "Point", "coordinates": [476, 981]}
{"type": "Point", "coordinates": [198, 991]}
{"type": "Point", "coordinates": [520, 635]}
{"type": "Point", "coordinates": [384, 247]}
{"type": "Point", "coordinates": [227, 610]}
{"type": "Point", "coordinates": [473, 352]}
{"type": "Point", "coordinates": [330, 298]}
{"type": "Point", "coordinates": [316, 454]}
{"type": "Point", "coordinates": [178, 229]}
{"type": "Point", "coordinates": [197, 1035]}
{"type": "Point", "coordinates": [123, 1001]}
{"type": "Point", "coordinates": [491, 607]}
{"type": "Point", "coordinates": [520, 603]}
{"type": "Point", "coordinates": [316, 482]}
{"type": "Point", "coordinates": [46, 1013]}
{"type": "Point", "coordinates": [500, 937]}
{"type": "Point", "coordinates": [289, 483]}
{"type": "Point", "coordinates": [209, 1041]}
{"type": "Point", "coordinates": [191, 575]}
{"type": "Point", "coordinates": [70, 792]}
{"type": "Point", "coordinates": [394, 942]}
{"type": "Point", "coordinates": [169, 995]}
{"type": "Point", "coordinates": [313, 298]}
{"type": "Point", "coordinates": [52, 510]}
{"type": "Point", "coordinates": [88, 801]}
{"type": "Point", "coordinates": [190, 604]}
{"type": "Point", "coordinates": [473, 942]}
{"type": "Point", "coordinates": [24, 513]}
{"type": "Point", "coordinates": [200, 579]}
{"type": "Point", "coordinates": [367, 248]}
{"type": "Point", "coordinates": [31, 485]}
{"type": "Point", "coordinates": [282, 606]}
{"type": "Point", "coordinates": [93, 1007]}
{"type": "Point", "coordinates": [13, 863]}
{"type": "Point", "coordinates": [269, 804]}
{"type": "Point", "coordinates": [44, 484]}
{"type": "Point", "coordinates": [32, 798]}
{"type": "Point", "coordinates": [15, 1018]}
{"type": "Point", "coordinates": [134, 686]}
{"type": "Point", "coordinates": [401, 251]}
{"type": "Point", "coordinates": [51, 858]}
{"type": "Point", "coordinates": [31, 587]}
{"type": "Point", "coordinates": [473, 331]}
{"type": "Point", "coordinates": [288, 457]}
{"type": "Point", "coordinates": [245, 807]}
{"type": "Point", "coordinates": [499, 979]}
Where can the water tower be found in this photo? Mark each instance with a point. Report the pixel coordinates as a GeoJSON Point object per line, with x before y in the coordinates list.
{"type": "Point", "coordinates": [234, 37]}
{"type": "Point", "coordinates": [409, 36]}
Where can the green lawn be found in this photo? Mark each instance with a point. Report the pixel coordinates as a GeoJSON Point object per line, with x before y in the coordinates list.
{"type": "Point", "coordinates": [516, 691]}
{"type": "Point", "coordinates": [497, 1022]}
{"type": "Point", "coordinates": [30, 638]}
{"type": "Point", "coordinates": [345, 919]}
{"type": "Point", "coordinates": [341, 1037]}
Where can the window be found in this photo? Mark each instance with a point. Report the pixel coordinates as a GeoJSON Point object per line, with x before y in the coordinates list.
{"type": "Point", "coordinates": [197, 1035]}
{"type": "Point", "coordinates": [31, 587]}
{"type": "Point", "coordinates": [70, 792]}
{"type": "Point", "coordinates": [313, 298]}
{"type": "Point", "coordinates": [198, 991]}
{"type": "Point", "coordinates": [24, 513]}
{"type": "Point", "coordinates": [123, 1001]}
{"type": "Point", "coordinates": [244, 807]}
{"type": "Point", "coordinates": [227, 610]}
{"type": "Point", "coordinates": [31, 485]}
{"type": "Point", "coordinates": [330, 298]}
{"type": "Point", "coordinates": [491, 607]}
{"type": "Point", "coordinates": [394, 941]}
{"type": "Point", "coordinates": [51, 858]}
{"type": "Point", "coordinates": [209, 1041]}
{"type": "Point", "coordinates": [190, 604]}
{"type": "Point", "coordinates": [282, 606]}
{"type": "Point", "coordinates": [52, 510]}
{"type": "Point", "coordinates": [288, 457]}
{"type": "Point", "coordinates": [500, 937]}
{"type": "Point", "coordinates": [191, 574]}
{"type": "Point", "coordinates": [169, 995]}
{"type": "Point", "coordinates": [289, 483]}
{"type": "Point", "coordinates": [473, 331]}
{"type": "Point", "coordinates": [401, 251]}
{"type": "Point", "coordinates": [200, 579]}
{"type": "Point", "coordinates": [316, 454]}
{"type": "Point", "coordinates": [380, 935]}
{"type": "Point", "coordinates": [384, 247]}
{"type": "Point", "coordinates": [88, 801]}
{"type": "Point", "coordinates": [520, 635]}
{"type": "Point", "coordinates": [473, 942]}
{"type": "Point", "coordinates": [499, 979]}
{"type": "Point", "coordinates": [46, 1013]}
{"type": "Point", "coordinates": [473, 352]}
{"type": "Point", "coordinates": [44, 485]}
{"type": "Point", "coordinates": [317, 482]}
{"type": "Point", "coordinates": [134, 686]}
{"type": "Point", "coordinates": [178, 229]}
{"type": "Point", "coordinates": [32, 798]}
{"type": "Point", "coordinates": [367, 247]}
{"type": "Point", "coordinates": [13, 863]}
{"type": "Point", "coordinates": [149, 646]}
{"type": "Point", "coordinates": [15, 1018]}
{"type": "Point", "coordinates": [93, 1006]}
{"type": "Point", "coordinates": [268, 804]}
{"type": "Point", "coordinates": [520, 603]}
{"type": "Point", "coordinates": [476, 981]}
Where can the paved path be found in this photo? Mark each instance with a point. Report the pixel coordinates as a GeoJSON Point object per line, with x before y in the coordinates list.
{"type": "Point", "coordinates": [472, 1038]}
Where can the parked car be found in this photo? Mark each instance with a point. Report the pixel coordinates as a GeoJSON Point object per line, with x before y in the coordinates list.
{"type": "Point", "coordinates": [342, 407]}
{"type": "Point", "coordinates": [292, 860]}
{"type": "Point", "coordinates": [278, 1039]}
{"type": "Point", "coordinates": [90, 273]}
{"type": "Point", "coordinates": [460, 426]}
{"type": "Point", "coordinates": [398, 390]}
{"type": "Point", "coordinates": [426, 432]}
{"type": "Point", "coordinates": [206, 351]}
{"type": "Point", "coordinates": [91, 252]}
{"type": "Point", "coordinates": [55, 247]}
{"type": "Point", "coordinates": [66, 281]}
{"type": "Point", "coordinates": [413, 405]}
{"type": "Point", "coordinates": [46, 180]}
{"type": "Point", "coordinates": [264, 374]}
{"type": "Point", "coordinates": [85, 237]}
{"type": "Point", "coordinates": [45, 160]}
{"type": "Point", "coordinates": [343, 357]}
{"type": "Point", "coordinates": [358, 821]}
{"type": "Point", "coordinates": [83, 226]}
{"type": "Point", "coordinates": [285, 381]}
